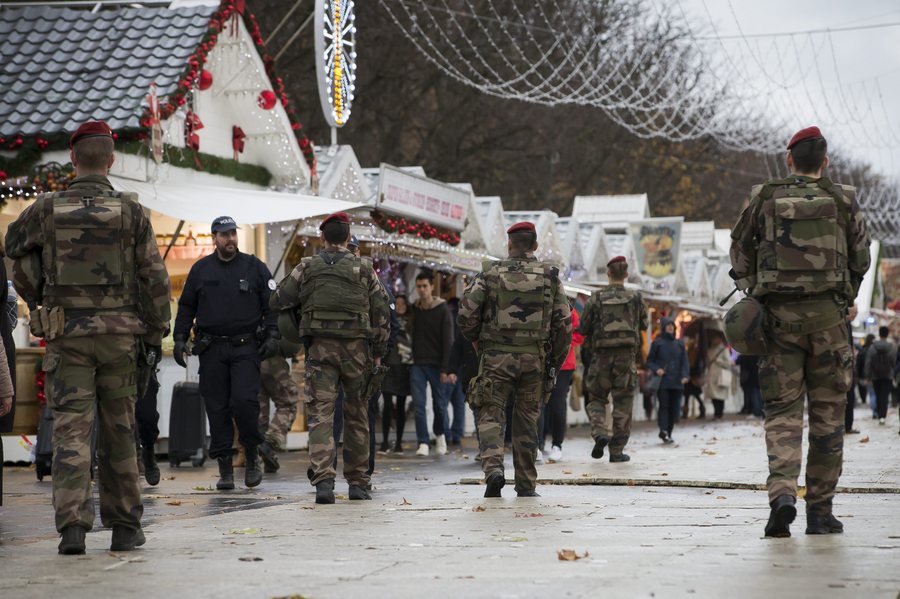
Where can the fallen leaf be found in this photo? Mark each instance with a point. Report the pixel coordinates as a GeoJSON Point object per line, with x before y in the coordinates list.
{"type": "Point", "coordinates": [207, 488]}
{"type": "Point", "coordinates": [664, 474]}
{"type": "Point", "coordinates": [479, 508]}
{"type": "Point", "coordinates": [531, 515]}
{"type": "Point", "coordinates": [801, 493]}
{"type": "Point", "coordinates": [707, 452]}
{"type": "Point", "coordinates": [250, 559]}
{"type": "Point", "coordinates": [244, 531]}
{"type": "Point", "coordinates": [586, 475]}
{"type": "Point", "coordinates": [405, 502]}
{"type": "Point", "coordinates": [168, 478]}
{"type": "Point", "coordinates": [707, 492]}
{"type": "Point", "coordinates": [629, 482]}
{"type": "Point", "coordinates": [341, 497]}
{"type": "Point", "coordinates": [569, 555]}
{"type": "Point", "coordinates": [176, 502]}
{"type": "Point", "coordinates": [567, 472]}
{"type": "Point", "coordinates": [721, 497]}
{"type": "Point", "coordinates": [864, 439]}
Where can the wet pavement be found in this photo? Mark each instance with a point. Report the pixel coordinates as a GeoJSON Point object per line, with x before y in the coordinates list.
{"type": "Point", "coordinates": [680, 520]}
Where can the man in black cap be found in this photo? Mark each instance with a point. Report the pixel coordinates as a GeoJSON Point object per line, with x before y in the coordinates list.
{"type": "Point", "coordinates": [226, 300]}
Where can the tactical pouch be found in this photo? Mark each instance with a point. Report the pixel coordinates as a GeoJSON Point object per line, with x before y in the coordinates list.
{"type": "Point", "coordinates": [480, 390]}
{"type": "Point", "coordinates": [201, 344]}
{"type": "Point", "coordinates": [52, 322]}
{"type": "Point", "coordinates": [35, 324]}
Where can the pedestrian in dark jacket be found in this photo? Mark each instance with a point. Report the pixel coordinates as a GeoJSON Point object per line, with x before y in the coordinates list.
{"type": "Point", "coordinates": [668, 360]}
{"type": "Point", "coordinates": [866, 391]}
{"type": "Point", "coordinates": [749, 366]}
{"type": "Point", "coordinates": [880, 361]}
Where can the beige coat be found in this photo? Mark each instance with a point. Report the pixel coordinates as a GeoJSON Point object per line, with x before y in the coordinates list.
{"type": "Point", "coordinates": [718, 376]}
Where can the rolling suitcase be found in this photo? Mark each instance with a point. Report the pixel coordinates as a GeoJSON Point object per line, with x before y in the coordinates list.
{"type": "Point", "coordinates": [187, 426]}
{"type": "Point", "coordinates": [43, 446]}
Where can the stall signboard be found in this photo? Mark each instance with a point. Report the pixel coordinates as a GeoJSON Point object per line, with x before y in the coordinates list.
{"type": "Point", "coordinates": [422, 198]}
{"type": "Point", "coordinates": [656, 242]}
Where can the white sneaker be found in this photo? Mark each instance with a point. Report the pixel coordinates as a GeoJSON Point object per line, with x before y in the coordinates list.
{"type": "Point", "coordinates": [440, 445]}
{"type": "Point", "coordinates": [555, 453]}
{"type": "Point", "coordinates": [539, 459]}
{"type": "Point", "coordinates": [881, 421]}
{"type": "Point", "coordinates": [423, 449]}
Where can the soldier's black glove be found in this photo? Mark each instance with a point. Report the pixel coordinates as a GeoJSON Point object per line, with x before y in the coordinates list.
{"type": "Point", "coordinates": [269, 347]}
{"type": "Point", "coordinates": [180, 350]}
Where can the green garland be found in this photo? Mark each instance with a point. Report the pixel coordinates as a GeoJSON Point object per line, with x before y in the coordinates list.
{"type": "Point", "coordinates": [215, 165]}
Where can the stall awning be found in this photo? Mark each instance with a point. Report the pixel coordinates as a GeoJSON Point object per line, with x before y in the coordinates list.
{"type": "Point", "coordinates": [203, 203]}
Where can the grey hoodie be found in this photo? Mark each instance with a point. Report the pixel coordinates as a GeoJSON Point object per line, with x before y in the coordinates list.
{"type": "Point", "coordinates": [882, 345]}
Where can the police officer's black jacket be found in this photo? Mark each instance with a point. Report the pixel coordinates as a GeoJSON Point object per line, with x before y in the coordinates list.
{"type": "Point", "coordinates": [221, 304]}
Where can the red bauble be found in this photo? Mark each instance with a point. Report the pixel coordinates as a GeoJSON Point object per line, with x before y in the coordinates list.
{"type": "Point", "coordinates": [267, 99]}
{"type": "Point", "coordinates": [206, 79]}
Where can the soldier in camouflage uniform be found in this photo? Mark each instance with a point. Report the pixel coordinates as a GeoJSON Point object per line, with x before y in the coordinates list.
{"type": "Point", "coordinates": [517, 316]}
{"type": "Point", "coordinates": [343, 316]}
{"type": "Point", "coordinates": [276, 384]}
{"type": "Point", "coordinates": [612, 322]}
{"type": "Point", "coordinates": [801, 248]}
{"type": "Point", "coordinates": [87, 264]}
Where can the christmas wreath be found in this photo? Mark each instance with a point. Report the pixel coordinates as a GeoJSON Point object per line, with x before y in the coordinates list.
{"type": "Point", "coordinates": [406, 226]}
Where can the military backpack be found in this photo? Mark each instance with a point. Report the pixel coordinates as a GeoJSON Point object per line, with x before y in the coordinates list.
{"type": "Point", "coordinates": [334, 296]}
{"type": "Point", "coordinates": [520, 299]}
{"type": "Point", "coordinates": [618, 314]}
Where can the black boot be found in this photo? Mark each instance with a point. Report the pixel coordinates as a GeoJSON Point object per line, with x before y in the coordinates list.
{"type": "Point", "coordinates": [599, 445]}
{"type": "Point", "coordinates": [126, 539]}
{"type": "Point", "coordinates": [226, 473]}
{"type": "Point", "coordinates": [822, 524]}
{"type": "Point", "coordinates": [620, 457]}
{"type": "Point", "coordinates": [531, 493]}
{"type": "Point", "coordinates": [784, 510]}
{"type": "Point", "coordinates": [72, 541]}
{"type": "Point", "coordinates": [325, 491]}
{"type": "Point", "coordinates": [252, 473]}
{"type": "Point", "coordinates": [151, 468]}
{"type": "Point", "coordinates": [270, 460]}
{"type": "Point", "coordinates": [495, 483]}
{"type": "Point", "coordinates": [358, 492]}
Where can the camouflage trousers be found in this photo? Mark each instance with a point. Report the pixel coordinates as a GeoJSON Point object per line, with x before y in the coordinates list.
{"type": "Point", "coordinates": [611, 373]}
{"type": "Point", "coordinates": [818, 366]}
{"type": "Point", "coordinates": [331, 364]}
{"type": "Point", "coordinates": [87, 378]}
{"type": "Point", "coordinates": [276, 384]}
{"type": "Point", "coordinates": [508, 377]}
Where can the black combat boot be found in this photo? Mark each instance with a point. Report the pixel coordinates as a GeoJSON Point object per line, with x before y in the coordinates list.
{"type": "Point", "coordinates": [226, 473]}
{"type": "Point", "coordinates": [72, 541]}
{"type": "Point", "coordinates": [600, 444]}
{"type": "Point", "coordinates": [270, 460]}
{"type": "Point", "coordinates": [495, 483]}
{"type": "Point", "coordinates": [784, 510]}
{"type": "Point", "coordinates": [253, 473]}
{"type": "Point", "coordinates": [151, 468]}
{"type": "Point", "coordinates": [820, 520]}
{"type": "Point", "coordinates": [358, 492]}
{"type": "Point", "coordinates": [531, 493]}
{"type": "Point", "coordinates": [325, 491]}
{"type": "Point", "coordinates": [126, 539]}
{"type": "Point", "coordinates": [620, 457]}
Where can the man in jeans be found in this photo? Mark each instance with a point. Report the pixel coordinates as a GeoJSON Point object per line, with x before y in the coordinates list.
{"type": "Point", "coordinates": [431, 332]}
{"type": "Point", "coordinates": [880, 361]}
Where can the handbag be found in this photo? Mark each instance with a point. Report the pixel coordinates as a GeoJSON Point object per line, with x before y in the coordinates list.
{"type": "Point", "coordinates": [654, 383]}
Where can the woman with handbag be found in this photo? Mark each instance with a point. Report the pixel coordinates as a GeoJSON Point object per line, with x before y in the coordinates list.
{"type": "Point", "coordinates": [668, 361]}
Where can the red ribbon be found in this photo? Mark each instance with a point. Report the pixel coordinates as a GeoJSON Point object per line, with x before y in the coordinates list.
{"type": "Point", "coordinates": [237, 140]}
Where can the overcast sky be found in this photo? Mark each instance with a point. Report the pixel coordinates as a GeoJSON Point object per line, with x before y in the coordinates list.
{"type": "Point", "coordinates": [855, 121]}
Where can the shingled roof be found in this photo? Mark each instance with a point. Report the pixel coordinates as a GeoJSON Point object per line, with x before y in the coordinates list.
{"type": "Point", "coordinates": [60, 67]}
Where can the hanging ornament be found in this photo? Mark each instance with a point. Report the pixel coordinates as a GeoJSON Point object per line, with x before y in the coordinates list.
{"type": "Point", "coordinates": [156, 143]}
{"type": "Point", "coordinates": [206, 80]}
{"type": "Point", "coordinates": [237, 141]}
{"type": "Point", "coordinates": [267, 99]}
{"type": "Point", "coordinates": [192, 123]}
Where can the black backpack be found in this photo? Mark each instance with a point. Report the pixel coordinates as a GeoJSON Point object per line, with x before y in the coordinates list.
{"type": "Point", "coordinates": [882, 368]}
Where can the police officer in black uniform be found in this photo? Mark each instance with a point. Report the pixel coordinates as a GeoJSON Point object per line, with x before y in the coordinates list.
{"type": "Point", "coordinates": [226, 301]}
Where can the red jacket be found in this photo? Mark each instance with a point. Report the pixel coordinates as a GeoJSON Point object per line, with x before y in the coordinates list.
{"type": "Point", "coordinates": [577, 339]}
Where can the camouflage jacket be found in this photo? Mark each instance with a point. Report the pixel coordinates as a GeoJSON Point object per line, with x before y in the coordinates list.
{"type": "Point", "coordinates": [479, 304]}
{"type": "Point", "coordinates": [800, 236]}
{"type": "Point", "coordinates": [618, 327]}
{"type": "Point", "coordinates": [287, 297]}
{"type": "Point", "coordinates": [152, 314]}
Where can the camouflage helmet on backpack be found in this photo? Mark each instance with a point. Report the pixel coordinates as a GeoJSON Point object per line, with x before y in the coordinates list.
{"type": "Point", "coordinates": [744, 327]}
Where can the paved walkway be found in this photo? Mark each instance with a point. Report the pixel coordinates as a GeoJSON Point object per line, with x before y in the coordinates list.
{"type": "Point", "coordinates": [425, 535]}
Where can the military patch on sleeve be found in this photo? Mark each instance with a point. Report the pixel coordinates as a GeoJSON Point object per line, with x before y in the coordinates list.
{"type": "Point", "coordinates": [272, 284]}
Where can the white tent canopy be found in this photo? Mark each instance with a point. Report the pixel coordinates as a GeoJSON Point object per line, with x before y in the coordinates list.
{"type": "Point", "coordinates": [203, 203]}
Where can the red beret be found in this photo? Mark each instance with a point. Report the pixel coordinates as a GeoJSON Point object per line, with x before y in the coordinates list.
{"type": "Point", "coordinates": [90, 129]}
{"type": "Point", "coordinates": [340, 217]}
{"type": "Point", "coordinates": [522, 226]}
{"type": "Point", "coordinates": [616, 259]}
{"type": "Point", "coordinates": [803, 135]}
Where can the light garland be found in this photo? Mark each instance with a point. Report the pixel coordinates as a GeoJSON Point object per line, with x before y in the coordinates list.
{"type": "Point", "coordinates": [335, 42]}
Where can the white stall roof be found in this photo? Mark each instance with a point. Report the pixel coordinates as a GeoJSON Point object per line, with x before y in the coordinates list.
{"type": "Point", "coordinates": [698, 235]}
{"type": "Point", "coordinates": [611, 209]}
{"type": "Point", "coordinates": [203, 203]}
